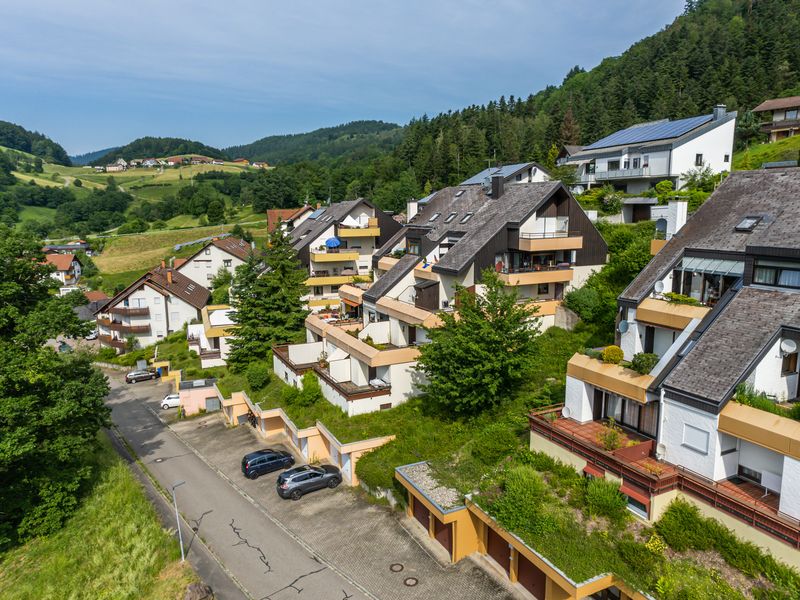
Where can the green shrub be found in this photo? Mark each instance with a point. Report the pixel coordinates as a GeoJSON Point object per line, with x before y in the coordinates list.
{"type": "Point", "coordinates": [258, 375]}
{"type": "Point", "coordinates": [106, 354]}
{"type": "Point", "coordinates": [610, 437]}
{"type": "Point", "coordinates": [521, 508]}
{"type": "Point", "coordinates": [311, 392]}
{"type": "Point", "coordinates": [643, 362]}
{"type": "Point", "coordinates": [680, 299]}
{"type": "Point", "coordinates": [639, 557]}
{"type": "Point", "coordinates": [603, 499]}
{"type": "Point", "coordinates": [613, 355]}
{"type": "Point", "coordinates": [585, 302]}
{"type": "Point", "coordinates": [683, 528]}
{"type": "Point", "coordinates": [664, 187]}
{"type": "Point", "coordinates": [493, 444]}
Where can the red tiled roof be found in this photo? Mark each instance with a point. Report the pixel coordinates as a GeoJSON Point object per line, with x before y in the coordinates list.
{"type": "Point", "coordinates": [778, 103]}
{"type": "Point", "coordinates": [62, 262]}
{"type": "Point", "coordinates": [275, 215]}
{"type": "Point", "coordinates": [179, 262]}
{"type": "Point", "coordinates": [95, 296]}
{"type": "Point", "coordinates": [234, 245]}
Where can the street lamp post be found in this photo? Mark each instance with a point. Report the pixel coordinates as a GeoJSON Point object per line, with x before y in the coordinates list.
{"type": "Point", "coordinates": [177, 517]}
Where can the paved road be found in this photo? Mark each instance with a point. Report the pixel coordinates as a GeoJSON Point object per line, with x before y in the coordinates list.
{"type": "Point", "coordinates": [268, 562]}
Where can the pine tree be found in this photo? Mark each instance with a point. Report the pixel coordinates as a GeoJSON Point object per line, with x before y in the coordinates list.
{"type": "Point", "coordinates": [267, 306]}
{"type": "Point", "coordinates": [570, 130]}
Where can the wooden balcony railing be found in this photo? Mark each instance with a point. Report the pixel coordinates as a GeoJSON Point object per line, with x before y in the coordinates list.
{"type": "Point", "coordinates": [114, 343]}
{"type": "Point", "coordinates": [123, 328]}
{"type": "Point", "coordinates": [127, 311]}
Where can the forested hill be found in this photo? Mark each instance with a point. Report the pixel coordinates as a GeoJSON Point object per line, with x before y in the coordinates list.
{"type": "Point", "coordinates": [158, 147]}
{"type": "Point", "coordinates": [357, 139]}
{"type": "Point", "coordinates": [18, 138]}
{"type": "Point", "coordinates": [85, 159]}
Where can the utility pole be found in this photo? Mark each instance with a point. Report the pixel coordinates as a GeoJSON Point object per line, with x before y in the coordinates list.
{"type": "Point", "coordinates": [177, 517]}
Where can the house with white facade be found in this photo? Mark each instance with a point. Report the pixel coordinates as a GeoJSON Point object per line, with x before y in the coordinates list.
{"type": "Point", "coordinates": [160, 302]}
{"type": "Point", "coordinates": [716, 311]}
{"type": "Point", "coordinates": [784, 117]}
{"type": "Point", "coordinates": [634, 159]}
{"type": "Point", "coordinates": [287, 218]}
{"type": "Point", "coordinates": [219, 253]}
{"type": "Point", "coordinates": [335, 244]}
{"type": "Point", "coordinates": [528, 172]}
{"type": "Point", "coordinates": [67, 268]}
{"type": "Point", "coordinates": [211, 338]}
{"type": "Point", "coordinates": [534, 235]}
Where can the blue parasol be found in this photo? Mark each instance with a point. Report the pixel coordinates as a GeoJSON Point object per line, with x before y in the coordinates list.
{"type": "Point", "coordinates": [333, 243]}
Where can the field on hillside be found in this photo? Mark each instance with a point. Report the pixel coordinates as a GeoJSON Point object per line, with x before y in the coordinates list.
{"type": "Point", "coordinates": [36, 213]}
{"type": "Point", "coordinates": [112, 547]}
{"type": "Point", "coordinates": [144, 250]}
{"type": "Point", "coordinates": [788, 149]}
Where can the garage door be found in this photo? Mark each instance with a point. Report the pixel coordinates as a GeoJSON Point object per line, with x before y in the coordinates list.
{"type": "Point", "coordinates": [498, 549]}
{"type": "Point", "coordinates": [421, 513]}
{"type": "Point", "coordinates": [443, 534]}
{"type": "Point", "coordinates": [530, 577]}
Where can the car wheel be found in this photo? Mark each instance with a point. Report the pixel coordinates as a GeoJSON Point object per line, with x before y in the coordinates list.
{"type": "Point", "coordinates": [165, 406]}
{"type": "Point", "coordinates": [253, 475]}
{"type": "Point", "coordinates": [296, 495]}
{"type": "Point", "coordinates": [333, 483]}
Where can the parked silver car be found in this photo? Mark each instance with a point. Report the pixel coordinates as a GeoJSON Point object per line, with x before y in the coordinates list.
{"type": "Point", "coordinates": [171, 401]}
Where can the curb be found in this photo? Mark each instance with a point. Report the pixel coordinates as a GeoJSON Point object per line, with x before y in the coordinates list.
{"type": "Point", "coordinates": [263, 510]}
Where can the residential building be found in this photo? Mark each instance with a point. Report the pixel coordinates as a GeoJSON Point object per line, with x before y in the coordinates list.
{"type": "Point", "coordinates": [149, 162]}
{"type": "Point", "coordinates": [161, 301]}
{"type": "Point", "coordinates": [534, 235]}
{"type": "Point", "coordinates": [119, 165]}
{"type": "Point", "coordinates": [199, 395]}
{"type": "Point", "coordinates": [260, 165]}
{"type": "Point", "coordinates": [241, 161]}
{"type": "Point", "coordinates": [636, 158]}
{"type": "Point", "coordinates": [68, 248]}
{"type": "Point", "coordinates": [219, 253]}
{"type": "Point", "coordinates": [785, 121]}
{"type": "Point", "coordinates": [211, 338]}
{"type": "Point", "coordinates": [67, 268]}
{"type": "Point", "coordinates": [174, 161]}
{"type": "Point", "coordinates": [95, 301]}
{"type": "Point", "coordinates": [519, 173]}
{"type": "Point", "coordinates": [287, 218]}
{"type": "Point", "coordinates": [681, 433]}
{"type": "Point", "coordinates": [335, 244]}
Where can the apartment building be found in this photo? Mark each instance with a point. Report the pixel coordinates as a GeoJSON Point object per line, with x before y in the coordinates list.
{"type": "Point", "coordinates": [161, 301]}
{"type": "Point", "coordinates": [67, 268]}
{"type": "Point", "coordinates": [219, 253]}
{"type": "Point", "coordinates": [784, 118]}
{"type": "Point", "coordinates": [211, 338]}
{"type": "Point", "coordinates": [679, 430]}
{"type": "Point", "coordinates": [335, 244]}
{"type": "Point", "coordinates": [636, 158]}
{"type": "Point", "coordinates": [535, 235]}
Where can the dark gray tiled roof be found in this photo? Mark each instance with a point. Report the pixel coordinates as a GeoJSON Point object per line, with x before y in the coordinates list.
{"type": "Point", "coordinates": [391, 277]}
{"type": "Point", "coordinates": [310, 229]}
{"type": "Point", "coordinates": [506, 171]}
{"type": "Point", "coordinates": [727, 350]}
{"type": "Point", "coordinates": [490, 215]}
{"type": "Point", "coordinates": [773, 195]}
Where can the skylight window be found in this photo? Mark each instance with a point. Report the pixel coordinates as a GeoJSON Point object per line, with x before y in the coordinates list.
{"type": "Point", "coordinates": [748, 224]}
{"type": "Point", "coordinates": [450, 217]}
{"type": "Point", "coordinates": [458, 193]}
{"type": "Point", "coordinates": [190, 288]}
{"type": "Point", "coordinates": [434, 216]}
{"type": "Point", "coordinates": [466, 217]}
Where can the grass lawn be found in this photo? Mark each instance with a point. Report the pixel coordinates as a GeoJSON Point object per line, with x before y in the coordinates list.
{"type": "Point", "coordinates": [112, 547]}
{"type": "Point", "coordinates": [787, 149]}
{"type": "Point", "coordinates": [38, 213]}
{"type": "Point", "coordinates": [110, 281]}
{"type": "Point", "coordinates": [38, 179]}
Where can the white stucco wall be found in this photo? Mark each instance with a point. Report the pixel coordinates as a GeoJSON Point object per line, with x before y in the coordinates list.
{"type": "Point", "coordinates": [762, 460]}
{"type": "Point", "coordinates": [790, 487]}
{"type": "Point", "coordinates": [578, 399]}
{"type": "Point", "coordinates": [690, 437]}
{"type": "Point", "coordinates": [768, 377]}
{"type": "Point", "coordinates": [713, 145]}
{"type": "Point", "coordinates": [580, 275]}
{"type": "Point", "coordinates": [203, 267]}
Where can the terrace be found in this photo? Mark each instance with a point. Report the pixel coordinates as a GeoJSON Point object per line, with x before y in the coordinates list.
{"type": "Point", "coordinates": [550, 241]}
{"type": "Point", "coordinates": [127, 311]}
{"type": "Point", "coordinates": [123, 327]}
{"type": "Point", "coordinates": [561, 273]}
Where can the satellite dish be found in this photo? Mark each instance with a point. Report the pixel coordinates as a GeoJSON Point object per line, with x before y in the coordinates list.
{"type": "Point", "coordinates": [659, 287]}
{"type": "Point", "coordinates": [566, 412]}
{"type": "Point", "coordinates": [661, 451]}
{"type": "Point", "coordinates": [788, 347]}
{"type": "Point", "coordinates": [622, 327]}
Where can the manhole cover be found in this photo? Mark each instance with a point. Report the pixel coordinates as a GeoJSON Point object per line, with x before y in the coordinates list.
{"type": "Point", "coordinates": [395, 567]}
{"type": "Point", "coordinates": [159, 460]}
{"type": "Point", "coordinates": [410, 581]}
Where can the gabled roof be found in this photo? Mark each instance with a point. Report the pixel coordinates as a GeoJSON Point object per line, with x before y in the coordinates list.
{"type": "Point", "coordinates": [276, 215]}
{"type": "Point", "coordinates": [768, 194]}
{"type": "Point", "coordinates": [95, 296]}
{"type": "Point", "coordinates": [62, 262]}
{"type": "Point", "coordinates": [232, 245]}
{"type": "Point", "coordinates": [180, 287]}
{"type": "Point", "coordinates": [506, 171]}
{"type": "Point", "coordinates": [778, 104]}
{"type": "Point", "coordinates": [321, 219]}
{"type": "Point", "coordinates": [389, 279]}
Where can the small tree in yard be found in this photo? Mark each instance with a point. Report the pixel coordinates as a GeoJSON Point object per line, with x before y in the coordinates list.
{"type": "Point", "coordinates": [267, 307]}
{"type": "Point", "coordinates": [220, 285]}
{"type": "Point", "coordinates": [476, 359]}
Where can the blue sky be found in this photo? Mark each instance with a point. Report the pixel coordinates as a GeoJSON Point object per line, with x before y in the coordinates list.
{"type": "Point", "coordinates": [94, 73]}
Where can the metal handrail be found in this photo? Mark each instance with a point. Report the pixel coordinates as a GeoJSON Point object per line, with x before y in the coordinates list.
{"type": "Point", "coordinates": [548, 234]}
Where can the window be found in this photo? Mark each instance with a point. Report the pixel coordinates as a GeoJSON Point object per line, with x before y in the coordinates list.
{"type": "Point", "coordinates": [157, 316]}
{"type": "Point", "coordinates": [386, 406]}
{"type": "Point", "coordinates": [208, 251]}
{"type": "Point", "coordinates": [698, 160]}
{"type": "Point", "coordinates": [466, 217]}
{"type": "Point", "coordinates": [695, 438]}
{"type": "Point", "coordinates": [777, 273]}
{"type": "Point", "coordinates": [727, 158]}
{"type": "Point", "coordinates": [412, 247]}
{"type": "Point", "coordinates": [157, 300]}
{"type": "Point", "coordinates": [450, 217]}
{"type": "Point", "coordinates": [334, 289]}
{"type": "Point", "coordinates": [791, 114]}
{"type": "Point", "coordinates": [636, 507]}
{"type": "Point", "coordinates": [318, 290]}
{"type": "Point", "coordinates": [434, 216]}
{"type": "Point", "coordinates": [750, 474]}
{"type": "Point", "coordinates": [789, 364]}
{"type": "Point", "coordinates": [543, 289]}
{"type": "Point", "coordinates": [626, 164]}
{"type": "Point", "coordinates": [518, 177]}
{"type": "Point", "coordinates": [613, 165]}
{"type": "Point", "coordinates": [637, 162]}
{"type": "Point", "coordinates": [227, 262]}
{"type": "Point", "coordinates": [209, 276]}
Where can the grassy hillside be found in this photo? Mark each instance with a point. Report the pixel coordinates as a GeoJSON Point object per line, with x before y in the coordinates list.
{"type": "Point", "coordinates": [158, 147]}
{"type": "Point", "coordinates": [356, 139]}
{"type": "Point", "coordinates": [757, 154]}
{"type": "Point", "coordinates": [113, 547]}
{"type": "Point", "coordinates": [18, 138]}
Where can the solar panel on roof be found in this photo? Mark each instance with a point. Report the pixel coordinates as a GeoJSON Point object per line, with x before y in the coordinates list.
{"type": "Point", "coordinates": [659, 130]}
{"type": "Point", "coordinates": [316, 213]}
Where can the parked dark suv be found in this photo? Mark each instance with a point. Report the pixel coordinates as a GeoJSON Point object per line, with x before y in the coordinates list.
{"type": "Point", "coordinates": [296, 482]}
{"type": "Point", "coordinates": [142, 375]}
{"type": "Point", "coordinates": [265, 461]}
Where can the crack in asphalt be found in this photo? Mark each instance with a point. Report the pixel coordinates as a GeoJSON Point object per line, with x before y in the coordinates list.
{"type": "Point", "coordinates": [293, 584]}
{"type": "Point", "coordinates": [243, 541]}
{"type": "Point", "coordinates": [196, 527]}
{"type": "Point", "coordinates": [346, 595]}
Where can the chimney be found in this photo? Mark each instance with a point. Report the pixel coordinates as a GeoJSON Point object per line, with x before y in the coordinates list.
{"type": "Point", "coordinates": [719, 112]}
{"type": "Point", "coordinates": [498, 182]}
{"type": "Point", "coordinates": [677, 213]}
{"type": "Point", "coordinates": [169, 277]}
{"type": "Point", "coordinates": [412, 208]}
{"type": "Point", "coordinates": [163, 264]}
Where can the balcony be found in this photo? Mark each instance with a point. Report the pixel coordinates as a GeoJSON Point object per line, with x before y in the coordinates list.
{"type": "Point", "coordinates": [536, 275]}
{"type": "Point", "coordinates": [642, 172]}
{"type": "Point", "coordinates": [351, 295]}
{"type": "Point", "coordinates": [322, 278]}
{"type": "Point", "coordinates": [387, 262]}
{"type": "Point", "coordinates": [546, 308]}
{"type": "Point", "coordinates": [765, 429]}
{"type": "Point", "coordinates": [107, 340]}
{"type": "Point", "coordinates": [614, 378]}
{"type": "Point", "coordinates": [669, 314]}
{"type": "Point", "coordinates": [320, 325]}
{"type": "Point", "coordinates": [333, 255]}
{"type": "Point", "coordinates": [370, 355]}
{"type": "Point", "coordinates": [407, 313]}
{"type": "Point", "coordinates": [550, 241]}
{"type": "Point", "coordinates": [128, 311]}
{"type": "Point", "coordinates": [371, 229]}
{"type": "Point", "coordinates": [770, 126]}
{"type": "Point", "coordinates": [122, 327]}
{"type": "Point", "coordinates": [425, 271]}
